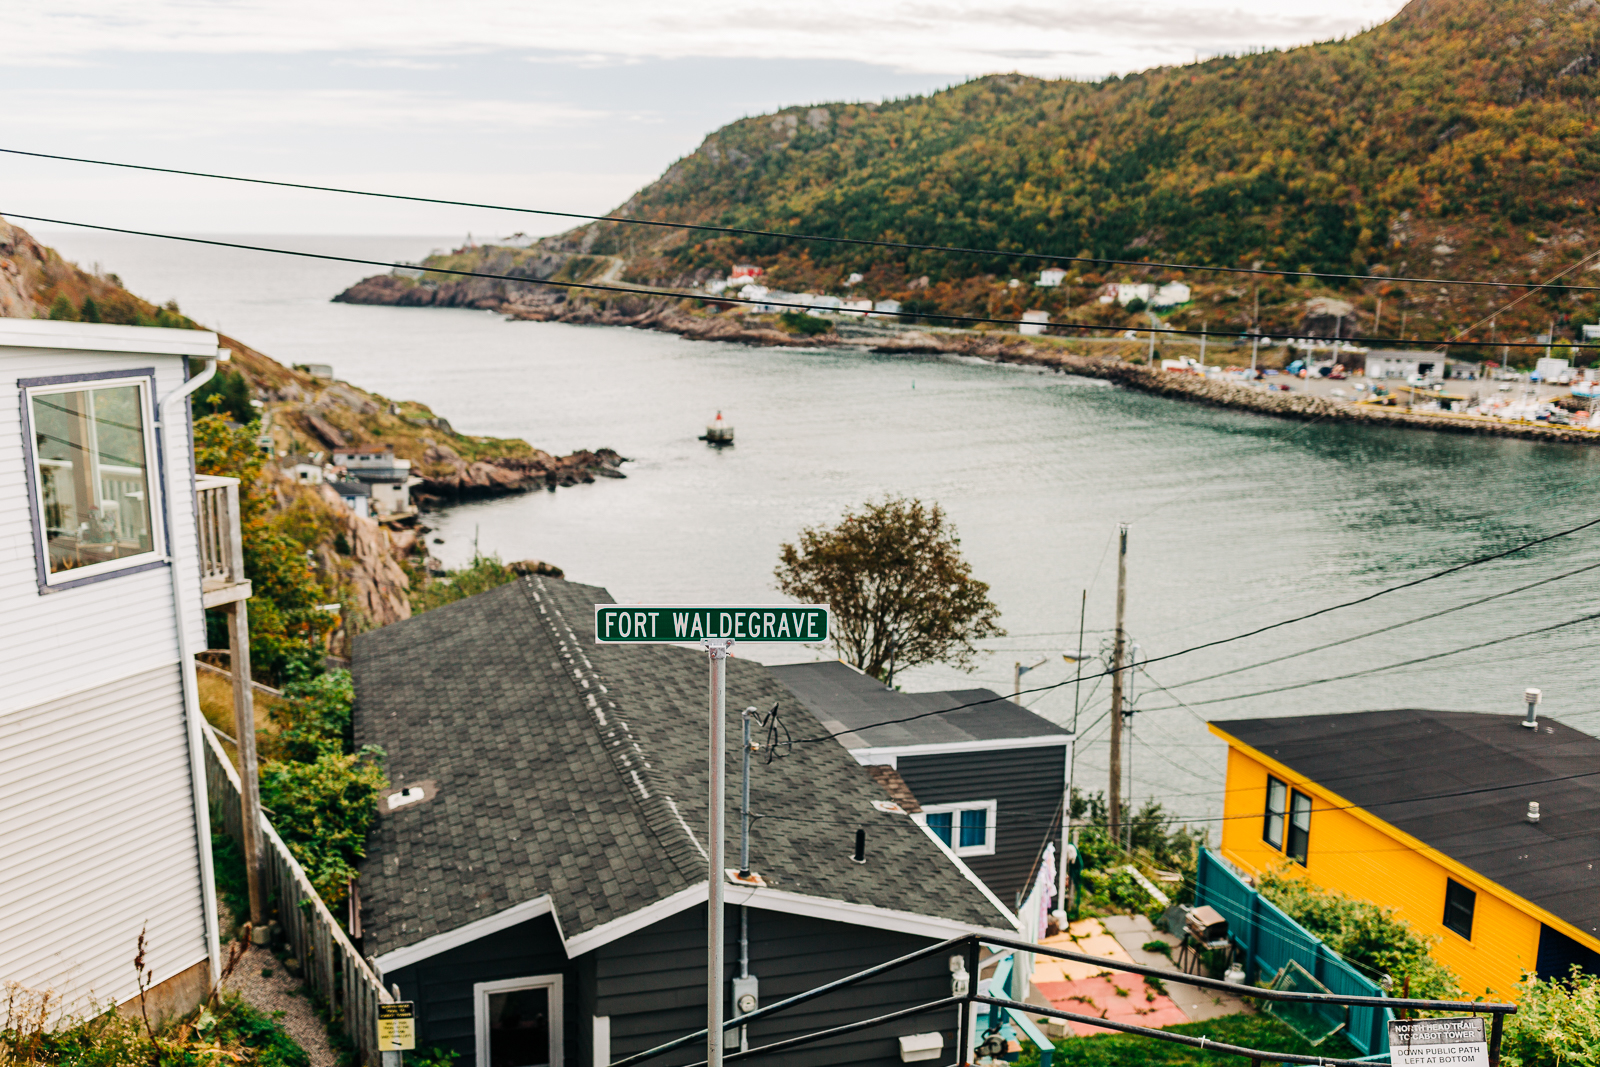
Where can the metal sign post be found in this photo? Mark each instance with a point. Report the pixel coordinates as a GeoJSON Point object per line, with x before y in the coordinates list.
{"type": "Point", "coordinates": [716, 629]}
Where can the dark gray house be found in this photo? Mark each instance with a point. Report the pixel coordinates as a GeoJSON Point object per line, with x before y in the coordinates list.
{"type": "Point", "coordinates": [537, 879]}
{"type": "Point", "coordinates": [988, 779]}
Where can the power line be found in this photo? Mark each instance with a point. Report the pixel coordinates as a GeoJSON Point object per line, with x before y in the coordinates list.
{"type": "Point", "coordinates": [1374, 633]}
{"type": "Point", "coordinates": [1262, 629]}
{"type": "Point", "coordinates": [789, 235]}
{"type": "Point", "coordinates": [1390, 667]}
{"type": "Point", "coordinates": [624, 290]}
{"type": "Point", "coordinates": [631, 291]}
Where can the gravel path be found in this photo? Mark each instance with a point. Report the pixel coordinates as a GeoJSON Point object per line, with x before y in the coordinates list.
{"type": "Point", "coordinates": [281, 991]}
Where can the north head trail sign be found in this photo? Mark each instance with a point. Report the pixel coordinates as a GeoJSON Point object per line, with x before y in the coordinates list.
{"type": "Point", "coordinates": [673, 623]}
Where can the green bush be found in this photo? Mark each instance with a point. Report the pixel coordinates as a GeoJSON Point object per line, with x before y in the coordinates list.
{"type": "Point", "coordinates": [803, 323]}
{"type": "Point", "coordinates": [1557, 1023]}
{"type": "Point", "coordinates": [315, 714]}
{"type": "Point", "coordinates": [322, 809]}
{"type": "Point", "coordinates": [483, 574]}
{"type": "Point", "coordinates": [227, 393]}
{"type": "Point", "coordinates": [62, 309]}
{"type": "Point", "coordinates": [1372, 937]}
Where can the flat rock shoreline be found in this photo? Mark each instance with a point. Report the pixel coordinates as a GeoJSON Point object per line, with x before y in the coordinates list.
{"type": "Point", "coordinates": [671, 316]}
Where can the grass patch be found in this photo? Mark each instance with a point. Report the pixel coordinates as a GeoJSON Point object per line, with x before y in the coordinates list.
{"type": "Point", "coordinates": [1157, 946]}
{"type": "Point", "coordinates": [1251, 1031]}
{"type": "Point", "coordinates": [225, 1031]}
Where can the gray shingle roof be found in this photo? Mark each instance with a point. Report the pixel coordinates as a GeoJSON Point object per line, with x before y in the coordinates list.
{"type": "Point", "coordinates": [846, 699]}
{"type": "Point", "coordinates": [578, 770]}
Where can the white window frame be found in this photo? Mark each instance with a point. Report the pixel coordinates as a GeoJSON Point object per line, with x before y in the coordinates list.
{"type": "Point", "coordinates": [991, 809]}
{"type": "Point", "coordinates": [480, 1011]}
{"type": "Point", "coordinates": [143, 381]}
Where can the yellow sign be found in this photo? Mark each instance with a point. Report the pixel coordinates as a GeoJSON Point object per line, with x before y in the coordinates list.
{"type": "Point", "coordinates": [397, 1027]}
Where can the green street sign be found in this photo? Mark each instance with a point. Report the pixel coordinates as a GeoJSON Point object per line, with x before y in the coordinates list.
{"type": "Point", "coordinates": [663, 624]}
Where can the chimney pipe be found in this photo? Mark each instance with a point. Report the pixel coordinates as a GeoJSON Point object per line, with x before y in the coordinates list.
{"type": "Point", "coordinates": [1533, 697]}
{"type": "Point", "coordinates": [861, 847]}
{"type": "Point", "coordinates": [1533, 811]}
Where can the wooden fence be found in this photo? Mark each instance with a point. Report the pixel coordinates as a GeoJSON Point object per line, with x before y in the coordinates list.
{"type": "Point", "coordinates": [335, 971]}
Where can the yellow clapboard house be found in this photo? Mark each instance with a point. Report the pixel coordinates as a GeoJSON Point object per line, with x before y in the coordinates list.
{"type": "Point", "coordinates": [1429, 812]}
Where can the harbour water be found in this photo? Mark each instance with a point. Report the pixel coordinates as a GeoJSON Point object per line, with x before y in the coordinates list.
{"type": "Point", "coordinates": [1236, 521]}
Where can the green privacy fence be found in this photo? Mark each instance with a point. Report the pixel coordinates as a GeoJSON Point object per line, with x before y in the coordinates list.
{"type": "Point", "coordinates": [1268, 940]}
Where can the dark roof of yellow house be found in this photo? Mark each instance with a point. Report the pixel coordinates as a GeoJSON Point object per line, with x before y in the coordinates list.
{"type": "Point", "coordinates": [1461, 782]}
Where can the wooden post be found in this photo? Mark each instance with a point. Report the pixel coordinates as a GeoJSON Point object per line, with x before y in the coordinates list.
{"type": "Point", "coordinates": [244, 720]}
{"type": "Point", "coordinates": [1114, 796]}
{"type": "Point", "coordinates": [244, 726]}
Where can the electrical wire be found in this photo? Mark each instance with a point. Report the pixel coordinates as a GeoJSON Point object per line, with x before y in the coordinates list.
{"type": "Point", "coordinates": [1263, 629]}
{"type": "Point", "coordinates": [1372, 633]}
{"type": "Point", "coordinates": [789, 235]}
{"type": "Point", "coordinates": [1392, 666]}
{"type": "Point", "coordinates": [598, 287]}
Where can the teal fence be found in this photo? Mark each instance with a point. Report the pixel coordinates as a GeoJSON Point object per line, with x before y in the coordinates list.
{"type": "Point", "coordinates": [1268, 939]}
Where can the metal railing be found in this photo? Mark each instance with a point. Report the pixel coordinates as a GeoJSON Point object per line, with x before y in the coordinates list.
{"type": "Point", "coordinates": [333, 969]}
{"type": "Point", "coordinates": [1268, 940]}
{"type": "Point", "coordinates": [969, 947]}
{"type": "Point", "coordinates": [221, 547]}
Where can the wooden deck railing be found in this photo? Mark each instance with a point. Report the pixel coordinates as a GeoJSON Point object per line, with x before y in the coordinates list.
{"type": "Point", "coordinates": [222, 579]}
{"type": "Point", "coordinates": [335, 971]}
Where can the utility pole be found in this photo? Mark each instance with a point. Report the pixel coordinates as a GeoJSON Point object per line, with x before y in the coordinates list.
{"type": "Point", "coordinates": [717, 651]}
{"type": "Point", "coordinates": [1114, 793]}
{"type": "Point", "coordinates": [1133, 668]}
{"type": "Point", "coordinates": [1255, 329]}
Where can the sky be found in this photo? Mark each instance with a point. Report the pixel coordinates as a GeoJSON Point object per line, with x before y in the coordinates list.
{"type": "Point", "coordinates": [564, 106]}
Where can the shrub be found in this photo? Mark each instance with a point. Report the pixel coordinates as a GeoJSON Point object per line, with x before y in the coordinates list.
{"type": "Point", "coordinates": [1557, 1022]}
{"type": "Point", "coordinates": [804, 324]}
{"type": "Point", "coordinates": [483, 574]}
{"type": "Point", "coordinates": [322, 809]}
{"type": "Point", "coordinates": [62, 309]}
{"type": "Point", "coordinates": [1372, 937]}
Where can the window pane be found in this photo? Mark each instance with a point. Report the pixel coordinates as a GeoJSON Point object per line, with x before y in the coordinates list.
{"type": "Point", "coordinates": [939, 823]}
{"type": "Point", "coordinates": [1272, 830]}
{"type": "Point", "coordinates": [974, 828]}
{"type": "Point", "coordinates": [93, 476]}
{"type": "Point", "coordinates": [1459, 903]}
{"type": "Point", "coordinates": [519, 1028]}
{"type": "Point", "coordinates": [1299, 827]}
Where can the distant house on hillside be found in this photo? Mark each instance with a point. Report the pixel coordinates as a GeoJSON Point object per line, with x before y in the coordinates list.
{"type": "Point", "coordinates": [104, 830]}
{"type": "Point", "coordinates": [1034, 323]}
{"type": "Point", "coordinates": [388, 480]}
{"type": "Point", "coordinates": [884, 309]}
{"type": "Point", "coordinates": [1051, 277]}
{"type": "Point", "coordinates": [990, 779]}
{"type": "Point", "coordinates": [1170, 295]}
{"type": "Point", "coordinates": [1125, 293]}
{"type": "Point", "coordinates": [537, 881]}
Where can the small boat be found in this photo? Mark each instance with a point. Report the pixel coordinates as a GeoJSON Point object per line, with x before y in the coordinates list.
{"type": "Point", "coordinates": [718, 432]}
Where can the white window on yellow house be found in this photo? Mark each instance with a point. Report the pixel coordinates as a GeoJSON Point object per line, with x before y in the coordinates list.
{"type": "Point", "coordinates": [1299, 827]}
{"type": "Point", "coordinates": [1272, 827]}
{"type": "Point", "coordinates": [92, 453]}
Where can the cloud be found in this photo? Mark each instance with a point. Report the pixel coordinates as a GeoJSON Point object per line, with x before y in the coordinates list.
{"type": "Point", "coordinates": [171, 113]}
{"type": "Point", "coordinates": [961, 37]}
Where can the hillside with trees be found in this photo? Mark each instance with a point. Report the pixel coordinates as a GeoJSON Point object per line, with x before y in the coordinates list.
{"type": "Point", "coordinates": [1458, 139]}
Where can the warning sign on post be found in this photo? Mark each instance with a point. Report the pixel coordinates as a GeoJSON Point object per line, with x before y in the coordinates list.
{"type": "Point", "coordinates": [397, 1027]}
{"type": "Point", "coordinates": [1458, 1042]}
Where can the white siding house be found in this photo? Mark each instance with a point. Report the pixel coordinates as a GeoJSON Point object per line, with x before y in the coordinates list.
{"type": "Point", "coordinates": [103, 827]}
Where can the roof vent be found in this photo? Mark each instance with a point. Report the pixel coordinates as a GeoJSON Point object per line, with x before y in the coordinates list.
{"type": "Point", "coordinates": [1533, 811]}
{"type": "Point", "coordinates": [1533, 697]}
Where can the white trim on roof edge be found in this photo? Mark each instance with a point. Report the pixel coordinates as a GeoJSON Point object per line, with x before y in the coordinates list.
{"type": "Point", "coordinates": [104, 337]}
{"type": "Point", "coordinates": [664, 908]}
{"type": "Point", "coordinates": [973, 878]}
{"type": "Point", "coordinates": [842, 911]}
{"type": "Point", "coordinates": [464, 935]}
{"type": "Point", "coordinates": [872, 754]}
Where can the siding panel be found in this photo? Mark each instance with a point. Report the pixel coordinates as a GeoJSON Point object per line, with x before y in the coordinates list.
{"type": "Point", "coordinates": [114, 852]}
{"type": "Point", "coordinates": [652, 985]}
{"type": "Point", "coordinates": [128, 620]}
{"type": "Point", "coordinates": [442, 986]}
{"type": "Point", "coordinates": [1027, 783]}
